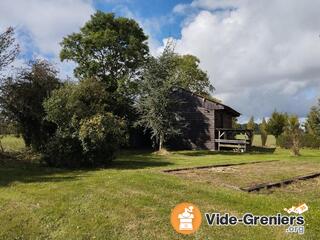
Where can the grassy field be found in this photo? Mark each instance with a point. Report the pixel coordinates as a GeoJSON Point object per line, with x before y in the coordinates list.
{"type": "Point", "coordinates": [271, 140]}
{"type": "Point", "coordinates": [133, 198]}
{"type": "Point", "coordinates": [11, 143]}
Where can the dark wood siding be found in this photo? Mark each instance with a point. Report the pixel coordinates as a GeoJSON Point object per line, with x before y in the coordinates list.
{"type": "Point", "coordinates": [202, 117]}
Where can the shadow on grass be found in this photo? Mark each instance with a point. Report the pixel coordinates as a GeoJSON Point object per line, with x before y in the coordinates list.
{"type": "Point", "coordinates": [251, 150]}
{"type": "Point", "coordinates": [14, 170]}
{"type": "Point", "coordinates": [138, 160]}
{"type": "Point", "coordinates": [197, 153]}
{"type": "Point", "coordinates": [256, 149]}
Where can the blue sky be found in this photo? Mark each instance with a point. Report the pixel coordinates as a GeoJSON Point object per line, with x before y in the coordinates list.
{"type": "Point", "coordinates": [260, 55]}
{"type": "Point", "coordinates": [154, 9]}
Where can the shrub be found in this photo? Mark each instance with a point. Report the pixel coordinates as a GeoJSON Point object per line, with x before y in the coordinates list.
{"type": "Point", "coordinates": [87, 135]}
{"type": "Point", "coordinates": [310, 141]}
{"type": "Point", "coordinates": [63, 152]}
{"type": "Point", "coordinates": [284, 141]}
{"type": "Point", "coordinates": [306, 140]}
{"type": "Point", "coordinates": [292, 136]}
{"type": "Point", "coordinates": [100, 137]}
{"type": "Point", "coordinates": [263, 132]}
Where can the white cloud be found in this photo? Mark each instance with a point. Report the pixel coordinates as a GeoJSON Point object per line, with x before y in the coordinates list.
{"type": "Point", "coordinates": [181, 8]}
{"type": "Point", "coordinates": [216, 4]}
{"type": "Point", "coordinates": [260, 55]}
{"type": "Point", "coordinates": [47, 22]}
{"type": "Point", "coordinates": [41, 25]}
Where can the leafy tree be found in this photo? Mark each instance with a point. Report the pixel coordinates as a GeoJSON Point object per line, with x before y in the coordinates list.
{"type": "Point", "coordinates": [155, 104]}
{"type": "Point", "coordinates": [251, 124]}
{"type": "Point", "coordinates": [8, 52]}
{"type": "Point", "coordinates": [21, 99]}
{"type": "Point", "coordinates": [191, 77]}
{"type": "Point", "coordinates": [263, 132]}
{"type": "Point", "coordinates": [114, 51]}
{"type": "Point", "coordinates": [107, 47]}
{"type": "Point", "coordinates": [313, 121]}
{"type": "Point", "coordinates": [294, 132]}
{"type": "Point", "coordinates": [277, 123]}
{"type": "Point", "coordinates": [8, 48]}
{"type": "Point", "coordinates": [86, 135]}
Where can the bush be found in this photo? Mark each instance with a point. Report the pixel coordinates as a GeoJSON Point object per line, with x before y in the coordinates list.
{"type": "Point", "coordinates": [87, 135]}
{"type": "Point", "coordinates": [284, 141]}
{"type": "Point", "coordinates": [306, 140]}
{"type": "Point", "coordinates": [63, 152]}
{"type": "Point", "coordinates": [101, 136]}
{"type": "Point", "coordinates": [310, 141]}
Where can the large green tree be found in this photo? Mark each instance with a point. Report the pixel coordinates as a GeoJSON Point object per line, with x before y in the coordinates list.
{"type": "Point", "coordinates": [263, 132]}
{"type": "Point", "coordinates": [191, 76]}
{"type": "Point", "coordinates": [294, 132]}
{"type": "Point", "coordinates": [251, 124]}
{"type": "Point", "coordinates": [107, 47]}
{"type": "Point", "coordinates": [9, 49]}
{"type": "Point", "coordinates": [155, 104]}
{"type": "Point", "coordinates": [313, 121]}
{"type": "Point", "coordinates": [21, 99]}
{"type": "Point", "coordinates": [277, 123]}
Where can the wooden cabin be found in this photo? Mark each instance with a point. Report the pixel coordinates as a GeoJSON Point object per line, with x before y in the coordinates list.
{"type": "Point", "coordinates": [208, 124]}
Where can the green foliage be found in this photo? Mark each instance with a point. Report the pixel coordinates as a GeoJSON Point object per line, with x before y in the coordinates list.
{"type": "Point", "coordinates": [191, 77]}
{"type": "Point", "coordinates": [292, 135]}
{"type": "Point", "coordinates": [100, 136]}
{"type": "Point", "coordinates": [251, 124]}
{"type": "Point", "coordinates": [284, 141]}
{"type": "Point", "coordinates": [87, 135]}
{"type": "Point", "coordinates": [277, 123]}
{"type": "Point", "coordinates": [155, 105]}
{"type": "Point", "coordinates": [108, 47]}
{"type": "Point", "coordinates": [21, 101]}
{"type": "Point", "coordinates": [263, 132]}
{"type": "Point", "coordinates": [313, 121]}
{"type": "Point", "coordinates": [306, 141]}
{"type": "Point", "coordinates": [310, 141]}
{"type": "Point", "coordinates": [113, 50]}
{"type": "Point", "coordinates": [63, 151]}
{"type": "Point", "coordinates": [294, 132]}
{"type": "Point", "coordinates": [8, 48]}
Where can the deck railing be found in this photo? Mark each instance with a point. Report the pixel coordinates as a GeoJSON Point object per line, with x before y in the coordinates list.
{"type": "Point", "coordinates": [227, 138]}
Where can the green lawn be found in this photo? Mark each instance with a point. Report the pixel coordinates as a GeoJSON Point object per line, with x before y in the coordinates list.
{"type": "Point", "coordinates": [133, 198]}
{"type": "Point", "coordinates": [12, 143]}
{"type": "Point", "coordinates": [271, 140]}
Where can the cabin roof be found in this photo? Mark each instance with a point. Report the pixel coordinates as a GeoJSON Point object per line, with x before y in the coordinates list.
{"type": "Point", "coordinates": [225, 107]}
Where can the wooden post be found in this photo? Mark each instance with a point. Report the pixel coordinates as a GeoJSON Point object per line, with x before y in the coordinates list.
{"type": "Point", "coordinates": [219, 141]}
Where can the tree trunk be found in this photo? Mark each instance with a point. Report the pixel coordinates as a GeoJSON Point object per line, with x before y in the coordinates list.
{"type": "Point", "coordinates": [1, 147]}
{"type": "Point", "coordinates": [295, 145]}
{"type": "Point", "coordinates": [160, 142]}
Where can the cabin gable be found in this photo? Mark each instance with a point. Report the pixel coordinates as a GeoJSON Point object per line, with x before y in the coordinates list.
{"type": "Point", "coordinates": [202, 117]}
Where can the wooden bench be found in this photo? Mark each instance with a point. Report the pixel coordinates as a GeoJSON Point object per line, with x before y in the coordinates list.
{"type": "Point", "coordinates": [238, 144]}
